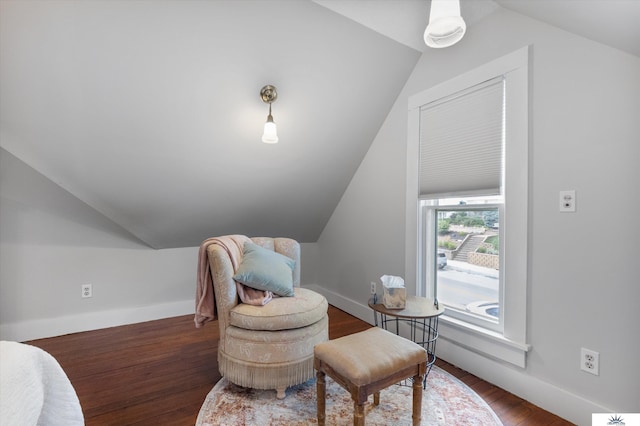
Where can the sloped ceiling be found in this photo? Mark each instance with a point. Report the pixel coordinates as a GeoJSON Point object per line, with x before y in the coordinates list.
{"type": "Point", "coordinates": [610, 22]}
{"type": "Point", "coordinates": [149, 111]}
{"type": "Point", "coordinates": [615, 23]}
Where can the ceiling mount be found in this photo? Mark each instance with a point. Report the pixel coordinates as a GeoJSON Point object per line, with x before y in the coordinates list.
{"type": "Point", "coordinates": [268, 94]}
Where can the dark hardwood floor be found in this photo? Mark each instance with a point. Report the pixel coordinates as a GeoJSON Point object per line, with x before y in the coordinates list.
{"type": "Point", "coordinates": [159, 372]}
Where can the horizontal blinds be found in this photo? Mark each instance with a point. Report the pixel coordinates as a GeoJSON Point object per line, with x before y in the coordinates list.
{"type": "Point", "coordinates": [461, 139]}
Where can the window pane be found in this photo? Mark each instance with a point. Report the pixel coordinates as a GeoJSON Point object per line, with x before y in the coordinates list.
{"type": "Point", "coordinates": [468, 261]}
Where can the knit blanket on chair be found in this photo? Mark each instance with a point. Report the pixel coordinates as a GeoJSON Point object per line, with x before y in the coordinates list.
{"type": "Point", "coordinates": [205, 295]}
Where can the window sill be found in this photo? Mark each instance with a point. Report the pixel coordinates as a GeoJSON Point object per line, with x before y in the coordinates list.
{"type": "Point", "coordinates": [482, 341]}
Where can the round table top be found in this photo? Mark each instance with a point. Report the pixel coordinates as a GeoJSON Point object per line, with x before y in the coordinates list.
{"type": "Point", "coordinates": [415, 307]}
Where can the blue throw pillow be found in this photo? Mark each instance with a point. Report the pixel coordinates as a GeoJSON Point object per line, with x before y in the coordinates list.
{"type": "Point", "coordinates": [264, 269]}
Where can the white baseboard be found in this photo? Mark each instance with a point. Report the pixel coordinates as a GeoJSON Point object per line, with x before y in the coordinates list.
{"type": "Point", "coordinates": [49, 327]}
{"type": "Point", "coordinates": [558, 401]}
{"type": "Point", "coordinates": [350, 306]}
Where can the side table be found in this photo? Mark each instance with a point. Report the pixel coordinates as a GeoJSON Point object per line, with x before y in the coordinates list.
{"type": "Point", "coordinates": [422, 316]}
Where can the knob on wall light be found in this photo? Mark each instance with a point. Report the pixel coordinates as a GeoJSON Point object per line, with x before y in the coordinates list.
{"type": "Point", "coordinates": [269, 95]}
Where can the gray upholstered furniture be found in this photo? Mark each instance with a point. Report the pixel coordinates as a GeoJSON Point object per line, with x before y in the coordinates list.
{"type": "Point", "coordinates": [270, 346]}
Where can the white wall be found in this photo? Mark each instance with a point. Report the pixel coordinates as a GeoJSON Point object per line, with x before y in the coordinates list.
{"type": "Point", "coordinates": [583, 289]}
{"type": "Point", "coordinates": [51, 243]}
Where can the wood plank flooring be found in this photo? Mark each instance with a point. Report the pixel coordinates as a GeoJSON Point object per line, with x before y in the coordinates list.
{"type": "Point", "coordinates": [159, 372]}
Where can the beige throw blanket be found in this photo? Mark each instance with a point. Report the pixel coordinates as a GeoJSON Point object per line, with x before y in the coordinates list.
{"type": "Point", "coordinates": [205, 296]}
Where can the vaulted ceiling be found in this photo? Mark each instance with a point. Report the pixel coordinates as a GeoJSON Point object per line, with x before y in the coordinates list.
{"type": "Point", "coordinates": [149, 111]}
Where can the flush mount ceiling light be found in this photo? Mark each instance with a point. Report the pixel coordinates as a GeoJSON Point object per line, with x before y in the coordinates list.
{"type": "Point", "coordinates": [446, 26]}
{"type": "Point", "coordinates": [269, 95]}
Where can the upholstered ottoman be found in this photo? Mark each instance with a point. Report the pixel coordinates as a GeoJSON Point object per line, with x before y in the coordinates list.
{"type": "Point", "coordinates": [365, 363]}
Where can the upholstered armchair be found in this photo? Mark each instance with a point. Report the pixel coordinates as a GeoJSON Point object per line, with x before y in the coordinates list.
{"type": "Point", "coordinates": [266, 346]}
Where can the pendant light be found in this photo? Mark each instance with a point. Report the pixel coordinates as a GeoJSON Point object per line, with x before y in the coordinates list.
{"type": "Point", "coordinates": [268, 94]}
{"type": "Point", "coordinates": [446, 26]}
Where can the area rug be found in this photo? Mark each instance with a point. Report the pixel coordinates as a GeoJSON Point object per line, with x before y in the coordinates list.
{"type": "Point", "coordinates": [445, 401]}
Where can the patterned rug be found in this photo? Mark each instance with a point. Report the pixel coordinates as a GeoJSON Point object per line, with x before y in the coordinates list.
{"type": "Point", "coordinates": [445, 401]}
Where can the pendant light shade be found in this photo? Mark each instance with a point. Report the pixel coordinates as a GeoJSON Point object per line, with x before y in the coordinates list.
{"type": "Point", "coordinates": [270, 134]}
{"type": "Point", "coordinates": [446, 26]}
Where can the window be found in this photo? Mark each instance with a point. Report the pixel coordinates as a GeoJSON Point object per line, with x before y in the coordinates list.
{"type": "Point", "coordinates": [462, 257]}
{"type": "Point", "coordinates": [467, 193]}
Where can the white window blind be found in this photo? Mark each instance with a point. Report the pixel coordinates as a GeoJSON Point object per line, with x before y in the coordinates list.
{"type": "Point", "coordinates": [461, 142]}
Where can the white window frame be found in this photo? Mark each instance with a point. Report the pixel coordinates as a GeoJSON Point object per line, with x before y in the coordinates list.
{"type": "Point", "coordinates": [510, 344]}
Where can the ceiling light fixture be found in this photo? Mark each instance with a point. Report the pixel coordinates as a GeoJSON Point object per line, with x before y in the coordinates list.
{"type": "Point", "coordinates": [446, 26]}
{"type": "Point", "coordinates": [269, 95]}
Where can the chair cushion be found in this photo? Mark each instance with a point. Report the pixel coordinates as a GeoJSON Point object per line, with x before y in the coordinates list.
{"type": "Point", "coordinates": [306, 307]}
{"type": "Point", "coordinates": [268, 347]}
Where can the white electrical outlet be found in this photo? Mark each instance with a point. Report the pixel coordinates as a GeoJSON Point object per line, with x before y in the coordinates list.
{"type": "Point", "coordinates": [590, 361]}
{"type": "Point", "coordinates": [87, 291]}
{"type": "Point", "coordinates": [568, 201]}
{"type": "Point", "coordinates": [373, 287]}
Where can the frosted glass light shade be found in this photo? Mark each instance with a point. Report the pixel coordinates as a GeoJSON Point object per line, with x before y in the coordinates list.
{"type": "Point", "coordinates": [270, 134]}
{"type": "Point", "coordinates": [446, 26]}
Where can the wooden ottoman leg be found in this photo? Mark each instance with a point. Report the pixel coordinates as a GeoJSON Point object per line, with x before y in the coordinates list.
{"type": "Point", "coordinates": [417, 400]}
{"type": "Point", "coordinates": [321, 396]}
{"type": "Point", "coordinates": [376, 398]}
{"type": "Point", "coordinates": [358, 414]}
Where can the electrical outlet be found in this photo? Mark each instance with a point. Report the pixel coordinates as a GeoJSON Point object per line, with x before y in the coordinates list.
{"type": "Point", "coordinates": [86, 291]}
{"type": "Point", "coordinates": [568, 201]}
{"type": "Point", "coordinates": [590, 361]}
{"type": "Point", "coordinates": [373, 287]}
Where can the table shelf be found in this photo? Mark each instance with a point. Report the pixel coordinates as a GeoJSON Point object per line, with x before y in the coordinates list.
{"type": "Point", "coordinates": [421, 315]}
